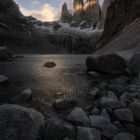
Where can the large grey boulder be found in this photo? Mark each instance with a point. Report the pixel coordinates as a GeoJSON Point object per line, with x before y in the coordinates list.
{"type": "Point", "coordinates": [124, 136]}
{"type": "Point", "coordinates": [135, 64]}
{"type": "Point", "coordinates": [110, 103]}
{"type": "Point", "coordinates": [79, 117]}
{"type": "Point", "coordinates": [19, 123]}
{"type": "Point", "coordinates": [110, 64]}
{"type": "Point", "coordinates": [56, 129]}
{"type": "Point", "coordinates": [135, 108]}
{"type": "Point", "coordinates": [103, 125]}
{"type": "Point", "coordinates": [123, 115]}
{"type": "Point", "coordinates": [84, 133]}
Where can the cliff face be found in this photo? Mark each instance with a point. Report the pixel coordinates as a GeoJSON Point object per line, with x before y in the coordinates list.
{"type": "Point", "coordinates": [11, 16]}
{"type": "Point", "coordinates": [9, 8]}
{"type": "Point", "coordinates": [105, 6]}
{"type": "Point", "coordinates": [87, 11]}
{"type": "Point", "coordinates": [78, 6]}
{"type": "Point", "coordinates": [78, 10]}
{"type": "Point", "coordinates": [120, 13]}
{"type": "Point", "coordinates": [92, 11]}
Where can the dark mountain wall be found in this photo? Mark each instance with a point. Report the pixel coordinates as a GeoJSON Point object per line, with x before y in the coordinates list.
{"type": "Point", "coordinates": [120, 13]}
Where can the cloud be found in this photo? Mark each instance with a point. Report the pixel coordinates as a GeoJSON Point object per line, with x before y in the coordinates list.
{"type": "Point", "coordinates": [45, 13]}
{"type": "Point", "coordinates": [35, 1]}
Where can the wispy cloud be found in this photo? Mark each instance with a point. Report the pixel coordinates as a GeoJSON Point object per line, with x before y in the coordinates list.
{"type": "Point", "coordinates": [35, 1]}
{"type": "Point", "coordinates": [45, 13]}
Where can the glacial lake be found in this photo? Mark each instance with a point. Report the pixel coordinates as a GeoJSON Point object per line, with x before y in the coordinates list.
{"type": "Point", "coordinates": [67, 77]}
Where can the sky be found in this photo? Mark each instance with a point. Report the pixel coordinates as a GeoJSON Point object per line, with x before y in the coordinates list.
{"type": "Point", "coordinates": [45, 10]}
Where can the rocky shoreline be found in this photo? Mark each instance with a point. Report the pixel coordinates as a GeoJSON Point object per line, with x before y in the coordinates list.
{"type": "Point", "coordinates": [112, 113]}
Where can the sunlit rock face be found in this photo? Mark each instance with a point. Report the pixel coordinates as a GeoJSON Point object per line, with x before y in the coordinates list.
{"type": "Point", "coordinates": [87, 11]}
{"type": "Point", "coordinates": [65, 14]}
{"type": "Point", "coordinates": [78, 10]}
{"type": "Point", "coordinates": [78, 6]}
{"type": "Point", "coordinates": [105, 6]}
{"type": "Point", "coordinates": [92, 11]}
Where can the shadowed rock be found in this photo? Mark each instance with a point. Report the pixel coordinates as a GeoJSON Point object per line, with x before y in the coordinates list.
{"type": "Point", "coordinates": [19, 123]}
{"type": "Point", "coordinates": [109, 64]}
{"type": "Point", "coordinates": [50, 64]}
{"type": "Point", "coordinates": [56, 129]}
{"type": "Point", "coordinates": [88, 134]}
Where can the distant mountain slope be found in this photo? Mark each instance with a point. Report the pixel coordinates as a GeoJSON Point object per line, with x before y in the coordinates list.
{"type": "Point", "coordinates": [119, 14]}
{"type": "Point", "coordinates": [127, 40]}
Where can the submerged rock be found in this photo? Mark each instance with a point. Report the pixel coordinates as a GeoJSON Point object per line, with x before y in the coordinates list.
{"type": "Point", "coordinates": [64, 104]}
{"type": "Point", "coordinates": [109, 64]}
{"type": "Point", "coordinates": [50, 64]}
{"type": "Point", "coordinates": [25, 95]}
{"type": "Point", "coordinates": [19, 123]}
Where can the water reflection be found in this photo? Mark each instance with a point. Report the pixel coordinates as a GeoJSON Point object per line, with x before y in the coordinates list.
{"type": "Point", "coordinates": [29, 72]}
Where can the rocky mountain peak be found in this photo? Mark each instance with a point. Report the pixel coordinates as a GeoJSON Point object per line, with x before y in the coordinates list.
{"type": "Point", "coordinates": [91, 3]}
{"type": "Point", "coordinates": [78, 5]}
{"type": "Point", "coordinates": [92, 11]}
{"type": "Point", "coordinates": [9, 8]}
{"type": "Point", "coordinates": [65, 14]}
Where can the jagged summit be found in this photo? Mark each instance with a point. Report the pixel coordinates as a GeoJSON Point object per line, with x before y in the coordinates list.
{"type": "Point", "coordinates": [65, 14]}
{"type": "Point", "coordinates": [92, 11]}
{"type": "Point", "coordinates": [88, 11]}
{"type": "Point", "coordinates": [9, 8]}
{"type": "Point", "coordinates": [78, 6]}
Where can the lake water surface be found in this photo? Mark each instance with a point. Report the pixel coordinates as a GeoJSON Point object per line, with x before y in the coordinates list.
{"type": "Point", "coordinates": [67, 77]}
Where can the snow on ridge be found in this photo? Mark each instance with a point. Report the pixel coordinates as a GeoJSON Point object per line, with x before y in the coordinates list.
{"type": "Point", "coordinates": [66, 29]}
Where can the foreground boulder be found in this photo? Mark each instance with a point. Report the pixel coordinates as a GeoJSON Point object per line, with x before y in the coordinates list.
{"type": "Point", "coordinates": [135, 64]}
{"type": "Point", "coordinates": [124, 136]}
{"type": "Point", "coordinates": [19, 123]}
{"type": "Point", "coordinates": [79, 117]}
{"type": "Point", "coordinates": [56, 129]}
{"type": "Point", "coordinates": [135, 108]}
{"type": "Point", "coordinates": [109, 64]}
{"type": "Point", "coordinates": [64, 104]}
{"type": "Point", "coordinates": [123, 115]}
{"type": "Point", "coordinates": [84, 133]}
{"type": "Point", "coordinates": [104, 125]}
